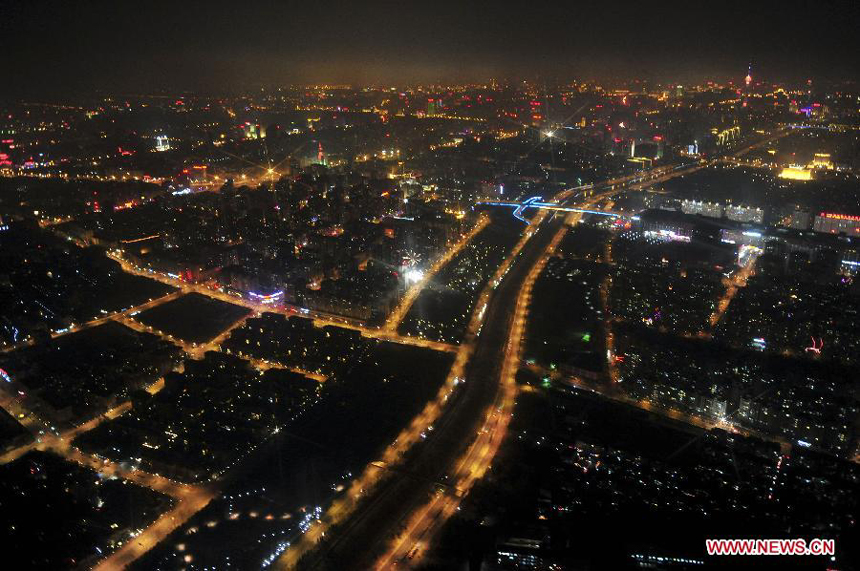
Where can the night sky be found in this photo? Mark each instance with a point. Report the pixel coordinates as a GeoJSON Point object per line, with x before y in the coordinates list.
{"type": "Point", "coordinates": [60, 47]}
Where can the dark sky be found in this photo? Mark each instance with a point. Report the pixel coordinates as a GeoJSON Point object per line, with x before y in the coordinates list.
{"type": "Point", "coordinates": [51, 48]}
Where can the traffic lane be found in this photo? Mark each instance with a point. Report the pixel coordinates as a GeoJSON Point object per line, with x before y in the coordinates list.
{"type": "Point", "coordinates": [479, 453]}
{"type": "Point", "coordinates": [458, 428]}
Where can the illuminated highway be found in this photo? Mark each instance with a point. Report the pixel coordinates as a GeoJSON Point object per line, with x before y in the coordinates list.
{"type": "Point", "coordinates": [425, 519]}
{"type": "Point", "coordinates": [459, 432]}
{"type": "Point", "coordinates": [462, 418]}
{"type": "Point", "coordinates": [350, 509]}
{"type": "Point", "coordinates": [484, 363]}
{"type": "Point", "coordinates": [535, 202]}
{"type": "Point", "coordinates": [428, 519]}
{"type": "Point", "coordinates": [189, 499]}
{"type": "Point", "coordinates": [490, 353]}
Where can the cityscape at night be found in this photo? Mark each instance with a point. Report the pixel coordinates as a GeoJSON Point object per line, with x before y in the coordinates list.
{"type": "Point", "coordinates": [467, 286]}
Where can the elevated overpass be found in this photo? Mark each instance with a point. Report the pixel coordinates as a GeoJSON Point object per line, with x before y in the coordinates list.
{"type": "Point", "coordinates": [536, 202]}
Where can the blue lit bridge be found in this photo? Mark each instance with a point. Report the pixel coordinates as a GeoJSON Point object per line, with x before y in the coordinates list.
{"type": "Point", "coordinates": [536, 202]}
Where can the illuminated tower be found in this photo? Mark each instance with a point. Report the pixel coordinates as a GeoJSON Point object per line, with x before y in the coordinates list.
{"type": "Point", "coordinates": [748, 78]}
{"type": "Point", "coordinates": [536, 114]}
{"type": "Point", "coordinates": [162, 143]}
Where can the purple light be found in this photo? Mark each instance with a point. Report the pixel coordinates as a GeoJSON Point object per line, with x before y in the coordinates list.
{"type": "Point", "coordinates": [267, 298]}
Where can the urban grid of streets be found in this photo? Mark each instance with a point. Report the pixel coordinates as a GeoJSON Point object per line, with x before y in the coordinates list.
{"type": "Point", "coordinates": [189, 499]}
{"type": "Point", "coordinates": [427, 518]}
{"type": "Point", "coordinates": [422, 521]}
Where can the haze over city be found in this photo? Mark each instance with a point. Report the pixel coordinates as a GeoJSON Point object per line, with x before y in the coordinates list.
{"type": "Point", "coordinates": [56, 47]}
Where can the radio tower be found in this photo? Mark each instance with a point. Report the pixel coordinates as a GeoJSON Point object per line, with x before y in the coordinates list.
{"type": "Point", "coordinates": [748, 78]}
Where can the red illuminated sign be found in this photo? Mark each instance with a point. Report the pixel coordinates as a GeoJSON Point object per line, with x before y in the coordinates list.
{"type": "Point", "coordinates": [833, 216]}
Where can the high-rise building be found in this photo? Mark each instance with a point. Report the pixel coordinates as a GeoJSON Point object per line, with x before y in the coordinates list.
{"type": "Point", "coordinates": [833, 223]}
{"type": "Point", "coordinates": [795, 172]}
{"type": "Point", "coordinates": [254, 131]}
{"type": "Point", "coordinates": [709, 209]}
{"type": "Point", "coordinates": [821, 161]}
{"type": "Point", "coordinates": [798, 220]}
{"type": "Point", "coordinates": [740, 213]}
{"type": "Point", "coordinates": [536, 113]}
{"type": "Point", "coordinates": [162, 143]}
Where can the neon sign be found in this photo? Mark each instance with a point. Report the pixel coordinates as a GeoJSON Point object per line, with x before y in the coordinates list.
{"type": "Point", "coordinates": [816, 346]}
{"type": "Point", "coordinates": [267, 298]}
{"type": "Point", "coordinates": [833, 216]}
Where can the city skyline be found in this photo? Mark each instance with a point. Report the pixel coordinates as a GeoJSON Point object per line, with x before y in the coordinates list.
{"type": "Point", "coordinates": [223, 47]}
{"type": "Point", "coordinates": [430, 286]}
